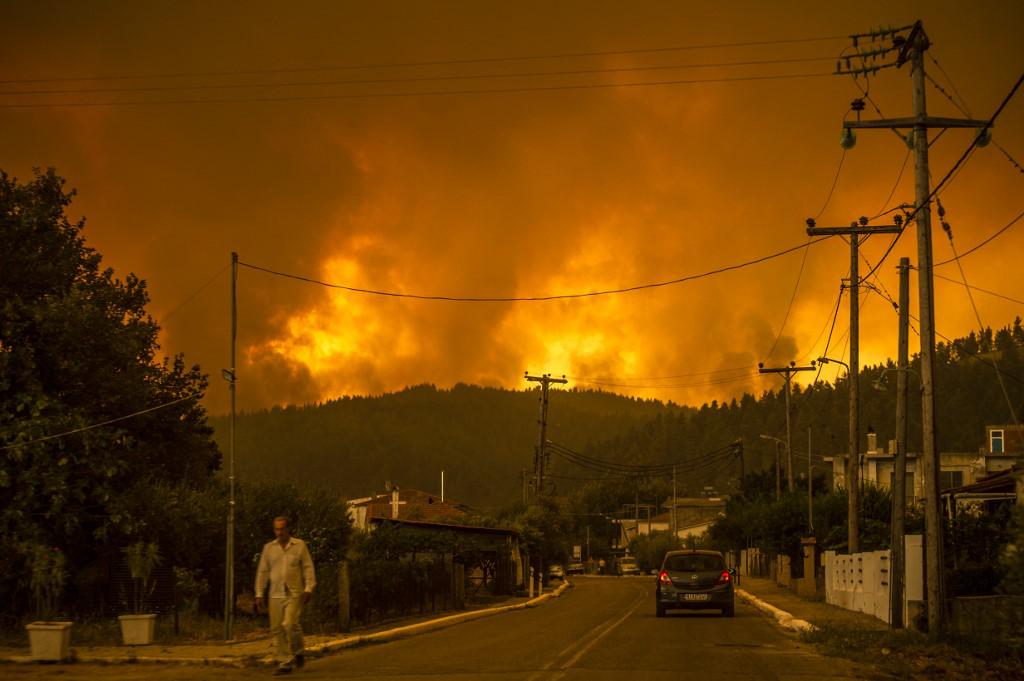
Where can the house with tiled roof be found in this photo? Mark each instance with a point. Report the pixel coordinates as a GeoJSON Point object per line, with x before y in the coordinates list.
{"type": "Point", "coordinates": [405, 504]}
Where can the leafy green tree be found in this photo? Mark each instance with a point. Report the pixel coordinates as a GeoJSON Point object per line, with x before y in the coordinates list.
{"type": "Point", "coordinates": [77, 348]}
{"type": "Point", "coordinates": [649, 549]}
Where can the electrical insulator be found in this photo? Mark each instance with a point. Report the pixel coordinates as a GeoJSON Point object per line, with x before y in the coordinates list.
{"type": "Point", "coordinates": [847, 138]}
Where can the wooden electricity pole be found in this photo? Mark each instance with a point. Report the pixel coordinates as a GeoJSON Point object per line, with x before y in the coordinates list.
{"type": "Point", "coordinates": [787, 373]}
{"type": "Point", "coordinates": [854, 231]}
{"type": "Point", "coordinates": [229, 549]}
{"type": "Point", "coordinates": [911, 48]}
{"type": "Point", "coordinates": [810, 486]}
{"type": "Point", "coordinates": [897, 561]}
{"type": "Point", "coordinates": [540, 462]}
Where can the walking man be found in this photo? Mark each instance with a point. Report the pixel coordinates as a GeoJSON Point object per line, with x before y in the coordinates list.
{"type": "Point", "coordinates": [287, 565]}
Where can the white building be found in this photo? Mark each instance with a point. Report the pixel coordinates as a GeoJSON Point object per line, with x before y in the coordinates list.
{"type": "Point", "coordinates": [957, 468]}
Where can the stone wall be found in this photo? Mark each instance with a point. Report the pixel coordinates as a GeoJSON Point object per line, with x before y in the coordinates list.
{"type": "Point", "coordinates": [998, 617]}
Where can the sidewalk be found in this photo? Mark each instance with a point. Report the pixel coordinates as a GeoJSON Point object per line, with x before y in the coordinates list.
{"type": "Point", "coordinates": [813, 613]}
{"type": "Point", "coordinates": [260, 652]}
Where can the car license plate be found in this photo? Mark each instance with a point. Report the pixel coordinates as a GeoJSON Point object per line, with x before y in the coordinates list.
{"type": "Point", "coordinates": [695, 597]}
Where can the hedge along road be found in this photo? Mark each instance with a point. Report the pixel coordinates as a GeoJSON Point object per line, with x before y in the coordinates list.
{"type": "Point", "coordinates": [604, 628]}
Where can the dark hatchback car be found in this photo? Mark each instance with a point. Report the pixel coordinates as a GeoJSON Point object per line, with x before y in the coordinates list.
{"type": "Point", "coordinates": [694, 580]}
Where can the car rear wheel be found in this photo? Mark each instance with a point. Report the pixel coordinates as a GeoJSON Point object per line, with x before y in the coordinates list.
{"type": "Point", "coordinates": [729, 612]}
{"type": "Point", "coordinates": [659, 610]}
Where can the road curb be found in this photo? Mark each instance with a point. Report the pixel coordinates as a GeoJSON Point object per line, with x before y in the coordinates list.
{"type": "Point", "coordinates": [431, 625]}
{"type": "Point", "coordinates": [236, 662]}
{"type": "Point", "coordinates": [783, 618]}
{"type": "Point", "coordinates": [321, 649]}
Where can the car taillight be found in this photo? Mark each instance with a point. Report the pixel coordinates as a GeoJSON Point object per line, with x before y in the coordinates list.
{"type": "Point", "coordinates": [725, 577]}
{"type": "Point", "coordinates": [664, 578]}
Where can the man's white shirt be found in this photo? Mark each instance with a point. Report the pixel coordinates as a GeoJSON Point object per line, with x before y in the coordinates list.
{"type": "Point", "coordinates": [288, 568]}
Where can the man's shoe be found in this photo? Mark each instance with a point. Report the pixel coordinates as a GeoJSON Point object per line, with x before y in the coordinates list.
{"type": "Point", "coordinates": [283, 669]}
{"type": "Point", "coordinates": [300, 661]}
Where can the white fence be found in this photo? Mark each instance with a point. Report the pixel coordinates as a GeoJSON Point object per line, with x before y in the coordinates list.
{"type": "Point", "coordinates": [861, 581]}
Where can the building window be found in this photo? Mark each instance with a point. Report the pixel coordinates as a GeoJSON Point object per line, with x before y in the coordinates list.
{"type": "Point", "coordinates": [995, 441]}
{"type": "Point", "coordinates": [950, 479]}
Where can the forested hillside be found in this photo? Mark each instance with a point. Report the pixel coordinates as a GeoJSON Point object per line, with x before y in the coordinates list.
{"type": "Point", "coordinates": [481, 437]}
{"type": "Point", "coordinates": [968, 397]}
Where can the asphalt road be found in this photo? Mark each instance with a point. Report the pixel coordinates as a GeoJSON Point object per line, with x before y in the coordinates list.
{"type": "Point", "coordinates": [602, 629]}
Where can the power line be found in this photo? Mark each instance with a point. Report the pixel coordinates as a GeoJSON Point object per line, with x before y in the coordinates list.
{"type": "Point", "coordinates": [434, 62]}
{"type": "Point", "coordinates": [961, 105]}
{"type": "Point", "coordinates": [719, 381]}
{"type": "Point", "coordinates": [964, 109]}
{"type": "Point", "coordinates": [192, 295]}
{"type": "Point", "coordinates": [977, 316]}
{"type": "Point", "coordinates": [895, 185]}
{"type": "Point", "coordinates": [956, 166]}
{"type": "Point", "coordinates": [997, 233]}
{"type": "Point", "coordinates": [409, 79]}
{"type": "Point", "coordinates": [796, 286]}
{"type": "Point", "coordinates": [831, 329]}
{"type": "Point", "coordinates": [832, 189]}
{"type": "Point", "coordinates": [413, 93]}
{"type": "Point", "coordinates": [664, 378]}
{"type": "Point", "coordinates": [821, 333]}
{"type": "Point", "coordinates": [101, 424]}
{"type": "Point", "coordinates": [513, 299]}
{"type": "Point", "coordinates": [686, 465]}
{"type": "Point", "coordinates": [977, 288]}
{"type": "Point", "coordinates": [973, 355]}
{"type": "Point", "coordinates": [953, 344]}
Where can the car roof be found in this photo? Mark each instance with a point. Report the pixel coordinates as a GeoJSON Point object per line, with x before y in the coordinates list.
{"type": "Point", "coordinates": [694, 552]}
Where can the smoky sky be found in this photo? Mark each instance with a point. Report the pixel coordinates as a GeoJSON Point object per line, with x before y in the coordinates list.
{"type": "Point", "coordinates": [504, 194]}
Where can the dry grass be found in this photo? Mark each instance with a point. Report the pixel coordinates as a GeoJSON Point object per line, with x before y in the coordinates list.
{"type": "Point", "coordinates": [912, 656]}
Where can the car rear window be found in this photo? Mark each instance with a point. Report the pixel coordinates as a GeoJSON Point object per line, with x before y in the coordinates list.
{"type": "Point", "coordinates": [694, 563]}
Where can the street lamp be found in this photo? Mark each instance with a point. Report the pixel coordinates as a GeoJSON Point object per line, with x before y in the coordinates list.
{"type": "Point", "coordinates": [827, 360]}
{"type": "Point", "coordinates": [778, 476]}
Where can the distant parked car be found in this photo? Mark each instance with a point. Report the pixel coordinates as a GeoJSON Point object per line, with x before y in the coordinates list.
{"type": "Point", "coordinates": [556, 571]}
{"type": "Point", "coordinates": [628, 566]}
{"type": "Point", "coordinates": [694, 580]}
{"type": "Point", "coordinates": [575, 568]}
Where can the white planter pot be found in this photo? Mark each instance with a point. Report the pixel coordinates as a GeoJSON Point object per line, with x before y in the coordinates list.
{"type": "Point", "coordinates": [137, 630]}
{"type": "Point", "coordinates": [49, 641]}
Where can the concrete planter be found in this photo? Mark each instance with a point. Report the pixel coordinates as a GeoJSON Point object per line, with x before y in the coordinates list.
{"type": "Point", "coordinates": [49, 641]}
{"type": "Point", "coordinates": [137, 630]}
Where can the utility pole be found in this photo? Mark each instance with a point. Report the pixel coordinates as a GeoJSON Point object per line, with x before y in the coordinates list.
{"type": "Point", "coordinates": [636, 509]}
{"type": "Point", "coordinates": [912, 48]}
{"type": "Point", "coordinates": [854, 231]}
{"type": "Point", "coordinates": [540, 458]}
{"type": "Point", "coordinates": [810, 486]}
{"type": "Point", "coordinates": [897, 560]}
{"type": "Point", "coordinates": [778, 477]}
{"type": "Point", "coordinates": [675, 527]}
{"type": "Point", "coordinates": [787, 372]}
{"type": "Point", "coordinates": [229, 375]}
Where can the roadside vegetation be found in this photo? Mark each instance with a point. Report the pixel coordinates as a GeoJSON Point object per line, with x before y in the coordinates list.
{"type": "Point", "coordinates": [910, 655]}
